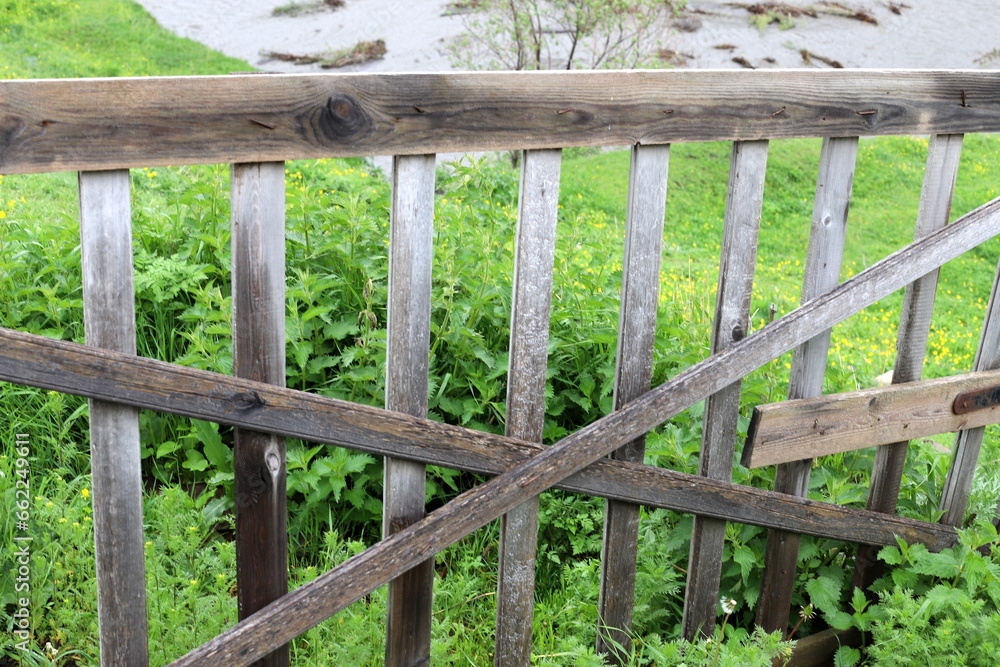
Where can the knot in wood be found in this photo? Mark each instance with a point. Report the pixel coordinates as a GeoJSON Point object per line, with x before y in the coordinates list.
{"type": "Point", "coordinates": [343, 118]}
{"type": "Point", "coordinates": [11, 128]}
{"type": "Point", "coordinates": [247, 400]}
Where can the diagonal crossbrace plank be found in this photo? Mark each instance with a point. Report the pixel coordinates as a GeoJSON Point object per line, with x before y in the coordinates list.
{"type": "Point", "coordinates": [309, 605]}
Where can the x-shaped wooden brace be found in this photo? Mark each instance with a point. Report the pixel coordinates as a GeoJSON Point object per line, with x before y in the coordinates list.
{"type": "Point", "coordinates": [36, 361]}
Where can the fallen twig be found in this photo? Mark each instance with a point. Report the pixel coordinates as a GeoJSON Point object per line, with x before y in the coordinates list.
{"type": "Point", "coordinates": [808, 56]}
{"type": "Point", "coordinates": [361, 52]}
{"type": "Point", "coordinates": [838, 9]}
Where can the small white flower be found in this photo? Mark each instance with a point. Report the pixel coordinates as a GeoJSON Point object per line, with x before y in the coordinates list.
{"type": "Point", "coordinates": [728, 605]}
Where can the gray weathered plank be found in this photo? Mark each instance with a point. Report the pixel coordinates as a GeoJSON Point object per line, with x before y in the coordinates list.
{"type": "Point", "coordinates": [258, 276]}
{"type": "Point", "coordinates": [59, 125]}
{"type": "Point", "coordinates": [109, 322]}
{"type": "Point", "coordinates": [538, 207]}
{"type": "Point", "coordinates": [941, 172]}
{"type": "Point", "coordinates": [356, 577]}
{"type": "Point", "coordinates": [822, 274]}
{"type": "Point", "coordinates": [943, 157]}
{"type": "Point", "coordinates": [835, 423]}
{"type": "Point", "coordinates": [410, 597]}
{"type": "Point", "coordinates": [647, 200]}
{"type": "Point", "coordinates": [731, 324]}
{"type": "Point", "coordinates": [958, 484]}
{"type": "Point", "coordinates": [73, 368]}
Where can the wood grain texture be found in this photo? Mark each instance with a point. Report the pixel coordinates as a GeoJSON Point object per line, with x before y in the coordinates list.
{"type": "Point", "coordinates": [258, 276]}
{"type": "Point", "coordinates": [943, 157]}
{"type": "Point", "coordinates": [835, 423]}
{"type": "Point", "coordinates": [958, 484]}
{"type": "Point", "coordinates": [57, 125]}
{"type": "Point", "coordinates": [633, 375]}
{"type": "Point", "coordinates": [109, 322]}
{"type": "Point", "coordinates": [535, 241]}
{"type": "Point", "coordinates": [73, 368]}
{"type": "Point", "coordinates": [731, 323]}
{"type": "Point", "coordinates": [410, 597]}
{"type": "Point", "coordinates": [822, 274]}
{"type": "Point", "coordinates": [310, 604]}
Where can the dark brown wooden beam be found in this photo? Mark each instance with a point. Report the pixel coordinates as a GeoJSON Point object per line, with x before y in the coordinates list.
{"type": "Point", "coordinates": [817, 650]}
{"type": "Point", "coordinates": [62, 125]}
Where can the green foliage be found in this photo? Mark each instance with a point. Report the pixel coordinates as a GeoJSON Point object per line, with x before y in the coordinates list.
{"type": "Point", "coordinates": [931, 608]}
{"type": "Point", "coordinates": [733, 647]}
{"type": "Point", "coordinates": [337, 281]}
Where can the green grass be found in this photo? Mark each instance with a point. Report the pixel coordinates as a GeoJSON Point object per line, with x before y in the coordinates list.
{"type": "Point", "coordinates": [42, 39]}
{"type": "Point", "coordinates": [883, 211]}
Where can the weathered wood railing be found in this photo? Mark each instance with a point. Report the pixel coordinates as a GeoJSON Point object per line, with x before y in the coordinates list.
{"type": "Point", "coordinates": [104, 127]}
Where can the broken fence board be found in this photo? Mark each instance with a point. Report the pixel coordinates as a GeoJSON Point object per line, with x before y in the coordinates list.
{"type": "Point", "coordinates": [958, 483]}
{"type": "Point", "coordinates": [836, 423]}
{"type": "Point", "coordinates": [822, 274]}
{"type": "Point", "coordinates": [943, 157]}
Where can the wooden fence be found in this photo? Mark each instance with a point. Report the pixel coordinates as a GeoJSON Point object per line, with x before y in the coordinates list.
{"type": "Point", "coordinates": [102, 128]}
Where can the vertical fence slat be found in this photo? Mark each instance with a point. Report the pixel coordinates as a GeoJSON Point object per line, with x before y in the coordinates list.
{"type": "Point", "coordinates": [732, 321]}
{"type": "Point", "coordinates": [109, 322]}
{"type": "Point", "coordinates": [258, 286]}
{"type": "Point", "coordinates": [822, 273]}
{"type": "Point", "coordinates": [943, 157]}
{"type": "Point", "coordinates": [647, 196]}
{"type": "Point", "coordinates": [410, 600]}
{"type": "Point", "coordinates": [529, 339]}
{"type": "Point", "coordinates": [958, 484]}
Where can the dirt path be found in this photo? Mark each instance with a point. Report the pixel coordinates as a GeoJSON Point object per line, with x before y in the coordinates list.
{"type": "Point", "coordinates": [906, 33]}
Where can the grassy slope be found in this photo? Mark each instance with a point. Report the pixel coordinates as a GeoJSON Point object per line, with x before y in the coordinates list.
{"type": "Point", "coordinates": [884, 204]}
{"type": "Point", "coordinates": [96, 38]}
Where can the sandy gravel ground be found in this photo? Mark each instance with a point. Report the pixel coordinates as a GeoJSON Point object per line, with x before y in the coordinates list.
{"type": "Point", "coordinates": [958, 34]}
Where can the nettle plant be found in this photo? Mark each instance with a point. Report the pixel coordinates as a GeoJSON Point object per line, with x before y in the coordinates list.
{"type": "Point", "coordinates": [929, 608]}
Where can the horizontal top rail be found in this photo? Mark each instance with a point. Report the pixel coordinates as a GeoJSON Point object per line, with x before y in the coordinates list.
{"type": "Point", "coordinates": [95, 124]}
